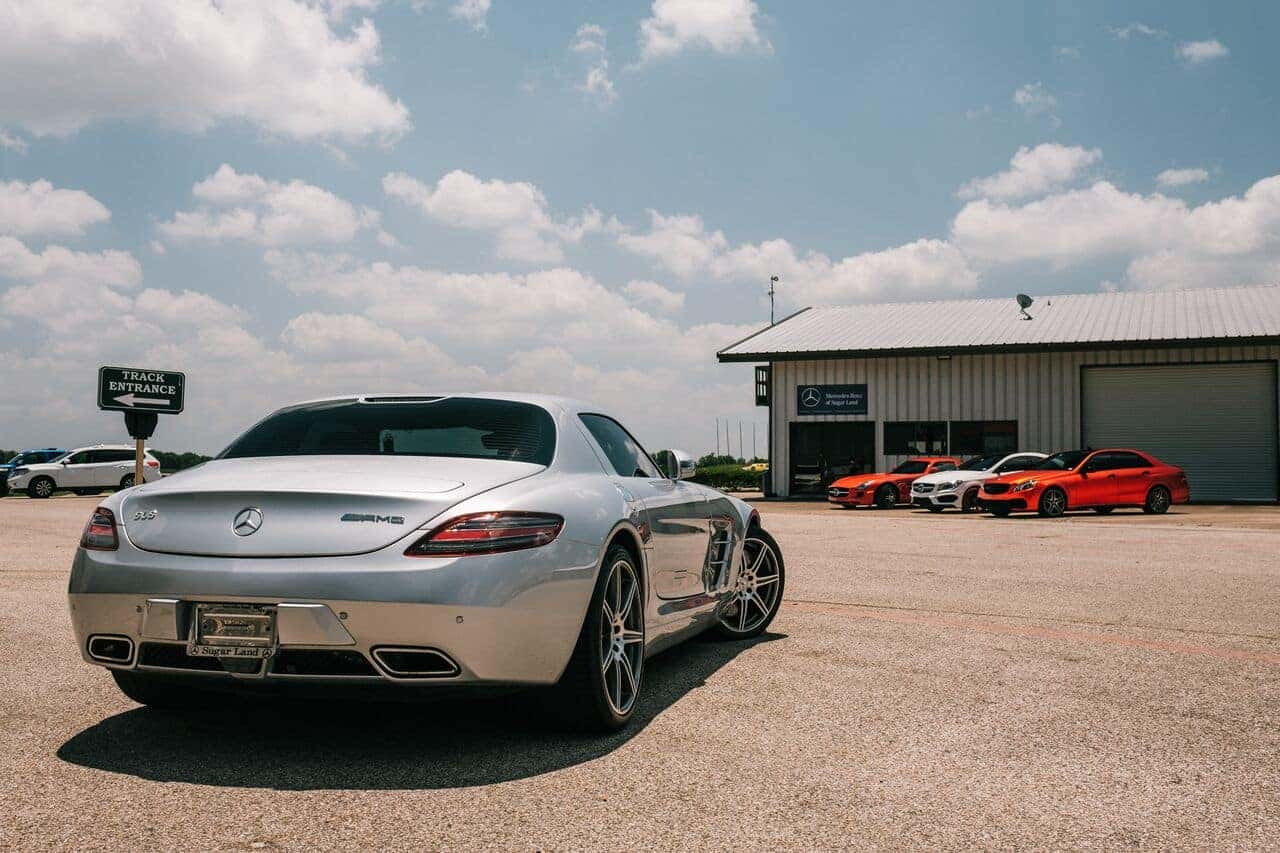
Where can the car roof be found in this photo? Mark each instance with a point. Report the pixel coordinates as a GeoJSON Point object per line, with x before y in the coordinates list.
{"type": "Point", "coordinates": [546, 401]}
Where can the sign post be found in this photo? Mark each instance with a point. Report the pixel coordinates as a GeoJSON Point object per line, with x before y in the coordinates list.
{"type": "Point", "coordinates": [141, 394]}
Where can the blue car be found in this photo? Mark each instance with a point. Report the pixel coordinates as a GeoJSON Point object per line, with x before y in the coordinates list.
{"type": "Point", "coordinates": [26, 457]}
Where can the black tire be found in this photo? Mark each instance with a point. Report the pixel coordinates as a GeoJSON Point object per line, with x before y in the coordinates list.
{"type": "Point", "coordinates": [582, 701]}
{"type": "Point", "coordinates": [126, 482]}
{"type": "Point", "coordinates": [4, 489]}
{"type": "Point", "coordinates": [934, 508]}
{"type": "Point", "coordinates": [1158, 501]}
{"type": "Point", "coordinates": [1104, 510]}
{"type": "Point", "coordinates": [886, 497]}
{"type": "Point", "coordinates": [1053, 503]}
{"type": "Point", "coordinates": [999, 510]}
{"type": "Point", "coordinates": [969, 501]}
{"type": "Point", "coordinates": [166, 694]}
{"type": "Point", "coordinates": [41, 488]}
{"type": "Point", "coordinates": [726, 626]}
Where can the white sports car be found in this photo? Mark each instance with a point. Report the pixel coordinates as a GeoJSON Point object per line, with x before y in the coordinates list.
{"type": "Point", "coordinates": [419, 541]}
{"type": "Point", "coordinates": [959, 488]}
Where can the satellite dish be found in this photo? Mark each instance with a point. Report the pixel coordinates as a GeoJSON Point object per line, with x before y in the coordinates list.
{"type": "Point", "coordinates": [1024, 302]}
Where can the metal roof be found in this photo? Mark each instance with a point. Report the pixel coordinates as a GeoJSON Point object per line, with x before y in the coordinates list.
{"type": "Point", "coordinates": [1074, 321]}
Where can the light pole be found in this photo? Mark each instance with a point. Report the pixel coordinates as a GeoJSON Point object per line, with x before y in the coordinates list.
{"type": "Point", "coordinates": [773, 279]}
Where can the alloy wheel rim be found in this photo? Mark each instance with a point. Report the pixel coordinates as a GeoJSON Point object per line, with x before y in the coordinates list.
{"type": "Point", "coordinates": [622, 637]}
{"type": "Point", "coordinates": [43, 488]}
{"type": "Point", "coordinates": [1053, 502]}
{"type": "Point", "coordinates": [1159, 500]}
{"type": "Point", "coordinates": [757, 589]}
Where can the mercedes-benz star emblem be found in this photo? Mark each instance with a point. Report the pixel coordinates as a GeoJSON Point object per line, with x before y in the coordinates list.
{"type": "Point", "coordinates": [810, 397]}
{"type": "Point", "coordinates": [247, 521]}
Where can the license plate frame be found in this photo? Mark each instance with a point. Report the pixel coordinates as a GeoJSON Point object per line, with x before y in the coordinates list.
{"type": "Point", "coordinates": [244, 631]}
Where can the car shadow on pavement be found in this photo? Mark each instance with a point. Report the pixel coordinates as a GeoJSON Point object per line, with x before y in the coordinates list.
{"type": "Point", "coordinates": [376, 745]}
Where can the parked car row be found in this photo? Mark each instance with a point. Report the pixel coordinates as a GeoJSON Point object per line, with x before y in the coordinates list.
{"type": "Point", "coordinates": [26, 457]}
{"type": "Point", "coordinates": [85, 470]}
{"type": "Point", "coordinates": [1100, 480]}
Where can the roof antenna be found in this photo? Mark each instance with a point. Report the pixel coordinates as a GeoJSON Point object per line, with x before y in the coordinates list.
{"type": "Point", "coordinates": [773, 279]}
{"type": "Point", "coordinates": [1024, 302]}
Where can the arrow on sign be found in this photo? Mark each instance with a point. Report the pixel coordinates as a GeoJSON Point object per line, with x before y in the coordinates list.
{"type": "Point", "coordinates": [131, 400]}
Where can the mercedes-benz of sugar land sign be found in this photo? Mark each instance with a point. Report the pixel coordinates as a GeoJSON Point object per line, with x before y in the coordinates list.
{"type": "Point", "coordinates": [1189, 376]}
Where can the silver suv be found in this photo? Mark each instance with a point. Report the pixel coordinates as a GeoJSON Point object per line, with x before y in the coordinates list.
{"type": "Point", "coordinates": [85, 471]}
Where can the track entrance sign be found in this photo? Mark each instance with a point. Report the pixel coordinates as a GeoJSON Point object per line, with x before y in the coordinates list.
{"type": "Point", "coordinates": [134, 389]}
{"type": "Point", "coordinates": [142, 394]}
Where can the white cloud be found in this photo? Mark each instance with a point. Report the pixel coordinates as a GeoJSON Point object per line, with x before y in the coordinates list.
{"type": "Point", "coordinates": [1137, 28]}
{"type": "Point", "coordinates": [1067, 51]}
{"type": "Point", "coordinates": [474, 12]}
{"type": "Point", "coordinates": [590, 38]}
{"type": "Point", "coordinates": [275, 65]}
{"type": "Point", "coordinates": [978, 112]}
{"type": "Point", "coordinates": [516, 212]}
{"type": "Point", "coordinates": [60, 264]}
{"type": "Point", "coordinates": [680, 243]}
{"type": "Point", "coordinates": [270, 213]}
{"type": "Point", "coordinates": [1181, 177]}
{"type": "Point", "coordinates": [12, 143]}
{"type": "Point", "coordinates": [723, 26]}
{"type": "Point", "coordinates": [684, 246]}
{"type": "Point", "coordinates": [652, 294]}
{"type": "Point", "coordinates": [188, 308]}
{"type": "Point", "coordinates": [1197, 52]}
{"type": "Point", "coordinates": [1034, 171]}
{"type": "Point", "coordinates": [1235, 240]}
{"type": "Point", "coordinates": [40, 208]}
{"type": "Point", "coordinates": [1034, 100]}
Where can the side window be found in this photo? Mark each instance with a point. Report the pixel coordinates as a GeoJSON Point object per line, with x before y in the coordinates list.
{"type": "Point", "coordinates": [944, 466]}
{"type": "Point", "coordinates": [1017, 463]}
{"type": "Point", "coordinates": [119, 456]}
{"type": "Point", "coordinates": [1128, 460]}
{"type": "Point", "coordinates": [1101, 462]}
{"type": "Point", "coordinates": [625, 455]}
{"type": "Point", "coordinates": [81, 458]}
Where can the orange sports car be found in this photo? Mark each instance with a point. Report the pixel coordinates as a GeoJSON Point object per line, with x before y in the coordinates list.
{"type": "Point", "coordinates": [887, 490]}
{"type": "Point", "coordinates": [1100, 480]}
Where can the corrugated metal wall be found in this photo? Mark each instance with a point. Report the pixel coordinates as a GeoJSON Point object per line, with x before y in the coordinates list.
{"type": "Point", "coordinates": [1041, 391]}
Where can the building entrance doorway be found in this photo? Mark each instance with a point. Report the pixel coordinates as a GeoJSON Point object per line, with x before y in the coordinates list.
{"type": "Point", "coordinates": [823, 452]}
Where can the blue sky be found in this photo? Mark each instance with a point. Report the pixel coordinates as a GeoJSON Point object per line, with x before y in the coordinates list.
{"type": "Point", "coordinates": [291, 199]}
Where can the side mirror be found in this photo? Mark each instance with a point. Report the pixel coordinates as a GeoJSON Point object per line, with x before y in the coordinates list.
{"type": "Point", "coordinates": [675, 464]}
{"type": "Point", "coordinates": [66, 461]}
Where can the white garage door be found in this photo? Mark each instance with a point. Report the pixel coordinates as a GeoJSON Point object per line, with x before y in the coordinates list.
{"type": "Point", "coordinates": [1217, 421]}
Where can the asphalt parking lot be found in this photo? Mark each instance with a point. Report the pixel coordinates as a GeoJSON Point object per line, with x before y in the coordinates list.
{"type": "Point", "coordinates": [938, 681]}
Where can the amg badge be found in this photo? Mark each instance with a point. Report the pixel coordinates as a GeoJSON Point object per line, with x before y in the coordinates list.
{"type": "Point", "coordinates": [377, 519]}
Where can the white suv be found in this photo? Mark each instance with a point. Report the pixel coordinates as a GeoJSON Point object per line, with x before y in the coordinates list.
{"type": "Point", "coordinates": [85, 471]}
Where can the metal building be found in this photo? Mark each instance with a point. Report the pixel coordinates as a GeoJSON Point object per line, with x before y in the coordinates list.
{"type": "Point", "coordinates": [1189, 376]}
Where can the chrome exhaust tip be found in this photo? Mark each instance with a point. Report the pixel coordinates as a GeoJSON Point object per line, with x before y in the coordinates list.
{"type": "Point", "coordinates": [409, 662]}
{"type": "Point", "coordinates": [110, 648]}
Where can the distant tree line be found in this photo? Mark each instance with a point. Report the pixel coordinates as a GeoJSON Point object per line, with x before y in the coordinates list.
{"type": "Point", "coordinates": [170, 462]}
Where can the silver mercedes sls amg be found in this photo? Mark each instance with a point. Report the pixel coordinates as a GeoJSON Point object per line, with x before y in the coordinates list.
{"type": "Point", "coordinates": [414, 541]}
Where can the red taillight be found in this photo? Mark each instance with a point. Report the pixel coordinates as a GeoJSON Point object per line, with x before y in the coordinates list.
{"type": "Point", "coordinates": [100, 532]}
{"type": "Point", "coordinates": [487, 533]}
{"type": "Point", "coordinates": [151, 463]}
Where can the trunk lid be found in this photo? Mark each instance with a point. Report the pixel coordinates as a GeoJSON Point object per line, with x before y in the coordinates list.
{"type": "Point", "coordinates": [321, 506]}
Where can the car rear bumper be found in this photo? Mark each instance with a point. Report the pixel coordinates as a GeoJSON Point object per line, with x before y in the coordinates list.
{"type": "Point", "coordinates": [508, 619]}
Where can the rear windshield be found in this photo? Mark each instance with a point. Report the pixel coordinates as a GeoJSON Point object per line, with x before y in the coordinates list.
{"type": "Point", "coordinates": [453, 426]}
{"type": "Point", "coordinates": [910, 468]}
{"type": "Point", "coordinates": [1067, 460]}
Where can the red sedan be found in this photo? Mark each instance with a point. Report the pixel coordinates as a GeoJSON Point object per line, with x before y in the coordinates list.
{"type": "Point", "coordinates": [887, 490]}
{"type": "Point", "coordinates": [1100, 480]}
